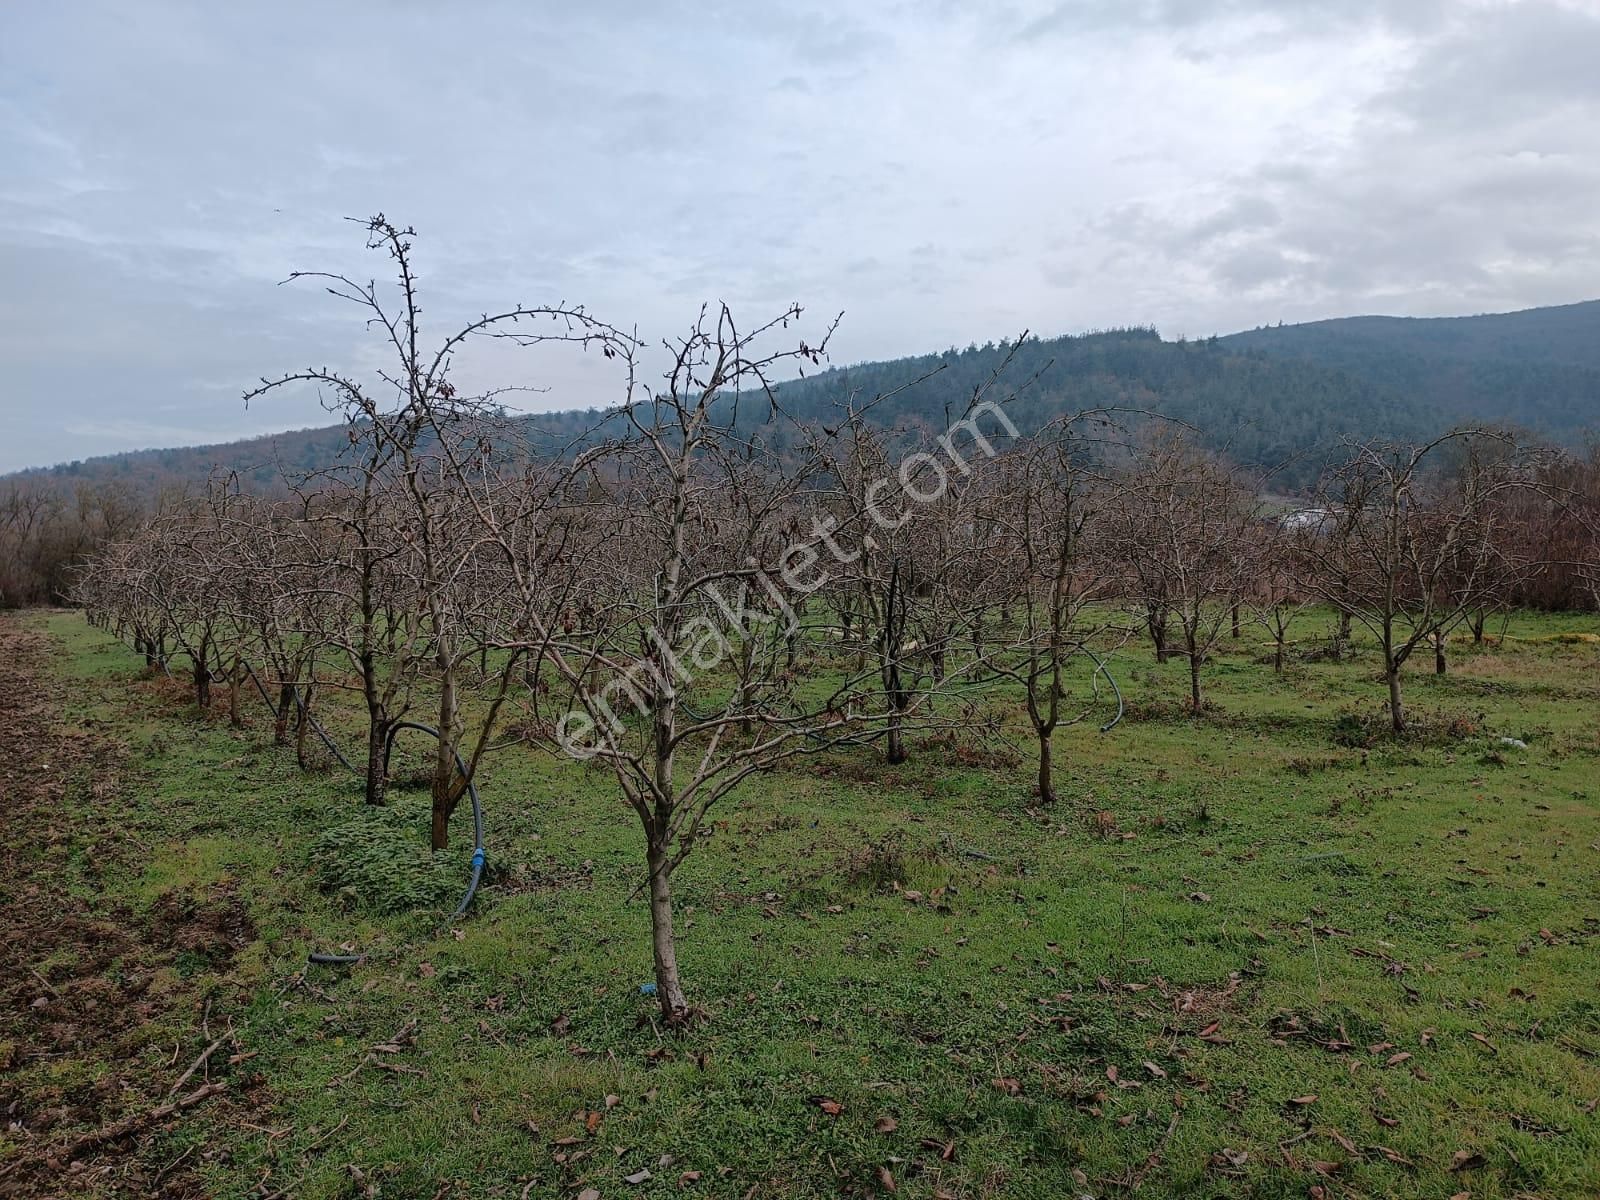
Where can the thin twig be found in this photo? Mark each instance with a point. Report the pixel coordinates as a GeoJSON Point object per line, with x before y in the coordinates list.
{"type": "Point", "coordinates": [139, 1121]}
{"type": "Point", "coordinates": [198, 1063]}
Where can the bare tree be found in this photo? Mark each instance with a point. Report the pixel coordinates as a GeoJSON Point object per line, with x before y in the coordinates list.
{"type": "Point", "coordinates": [1274, 594]}
{"type": "Point", "coordinates": [401, 559]}
{"type": "Point", "coordinates": [1407, 550]}
{"type": "Point", "coordinates": [910, 543]}
{"type": "Point", "coordinates": [1188, 528]}
{"type": "Point", "coordinates": [1052, 508]}
{"type": "Point", "coordinates": [693, 553]}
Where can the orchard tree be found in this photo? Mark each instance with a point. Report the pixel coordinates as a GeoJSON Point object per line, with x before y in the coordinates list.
{"type": "Point", "coordinates": [1275, 594]}
{"type": "Point", "coordinates": [1189, 529]}
{"type": "Point", "coordinates": [401, 560]}
{"type": "Point", "coordinates": [1408, 548]}
{"type": "Point", "coordinates": [1056, 568]}
{"type": "Point", "coordinates": [667, 627]}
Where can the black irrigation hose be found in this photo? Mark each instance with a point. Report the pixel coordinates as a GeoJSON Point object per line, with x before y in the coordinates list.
{"type": "Point", "coordinates": [260, 687]}
{"type": "Point", "coordinates": [316, 726]}
{"type": "Point", "coordinates": [294, 690]}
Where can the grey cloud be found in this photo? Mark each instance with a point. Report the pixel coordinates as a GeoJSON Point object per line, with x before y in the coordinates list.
{"type": "Point", "coordinates": [1200, 166]}
{"type": "Point", "coordinates": [1500, 64]}
{"type": "Point", "coordinates": [1467, 183]}
{"type": "Point", "coordinates": [1189, 16]}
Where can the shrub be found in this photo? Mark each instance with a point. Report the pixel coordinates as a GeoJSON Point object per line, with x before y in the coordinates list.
{"type": "Point", "coordinates": [379, 859]}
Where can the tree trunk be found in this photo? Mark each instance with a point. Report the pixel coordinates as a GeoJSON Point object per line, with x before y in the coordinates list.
{"type": "Point", "coordinates": [1397, 712]}
{"type": "Point", "coordinates": [1194, 681]}
{"type": "Point", "coordinates": [1341, 639]}
{"type": "Point", "coordinates": [444, 790]}
{"type": "Point", "coordinates": [1047, 791]}
{"type": "Point", "coordinates": [234, 720]}
{"type": "Point", "coordinates": [663, 946]}
{"type": "Point", "coordinates": [282, 713]}
{"type": "Point", "coordinates": [202, 682]}
{"type": "Point", "coordinates": [897, 745]}
{"type": "Point", "coordinates": [1277, 656]}
{"type": "Point", "coordinates": [377, 759]}
{"type": "Point", "coordinates": [445, 802]}
{"type": "Point", "coordinates": [1235, 616]}
{"type": "Point", "coordinates": [1438, 652]}
{"type": "Point", "coordinates": [302, 730]}
{"type": "Point", "coordinates": [1158, 635]}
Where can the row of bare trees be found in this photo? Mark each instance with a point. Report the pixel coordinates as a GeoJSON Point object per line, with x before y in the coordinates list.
{"type": "Point", "coordinates": [704, 587]}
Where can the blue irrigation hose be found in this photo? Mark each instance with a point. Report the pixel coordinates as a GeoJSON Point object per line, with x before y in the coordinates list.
{"type": "Point", "coordinates": [479, 855]}
{"type": "Point", "coordinates": [1100, 667]}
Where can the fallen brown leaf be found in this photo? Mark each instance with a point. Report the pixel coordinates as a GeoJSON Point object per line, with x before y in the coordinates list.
{"type": "Point", "coordinates": [1345, 1143]}
{"type": "Point", "coordinates": [1466, 1160]}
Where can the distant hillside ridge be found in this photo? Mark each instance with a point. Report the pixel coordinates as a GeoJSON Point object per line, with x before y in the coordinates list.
{"type": "Point", "coordinates": [1538, 369]}
{"type": "Point", "coordinates": [1267, 396]}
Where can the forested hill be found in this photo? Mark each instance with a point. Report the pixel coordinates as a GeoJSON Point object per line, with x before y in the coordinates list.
{"type": "Point", "coordinates": [1261, 409]}
{"type": "Point", "coordinates": [1265, 396]}
{"type": "Point", "coordinates": [1538, 369]}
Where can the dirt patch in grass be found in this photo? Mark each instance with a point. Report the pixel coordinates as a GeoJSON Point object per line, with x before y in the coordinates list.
{"type": "Point", "coordinates": [81, 982]}
{"type": "Point", "coordinates": [212, 930]}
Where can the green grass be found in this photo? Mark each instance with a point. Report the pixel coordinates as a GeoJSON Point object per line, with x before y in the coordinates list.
{"type": "Point", "coordinates": [1275, 869]}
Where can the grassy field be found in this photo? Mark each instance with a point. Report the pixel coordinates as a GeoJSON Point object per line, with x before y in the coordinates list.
{"type": "Point", "coordinates": [1260, 953]}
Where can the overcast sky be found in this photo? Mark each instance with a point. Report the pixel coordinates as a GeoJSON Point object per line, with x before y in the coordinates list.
{"type": "Point", "coordinates": [941, 172]}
